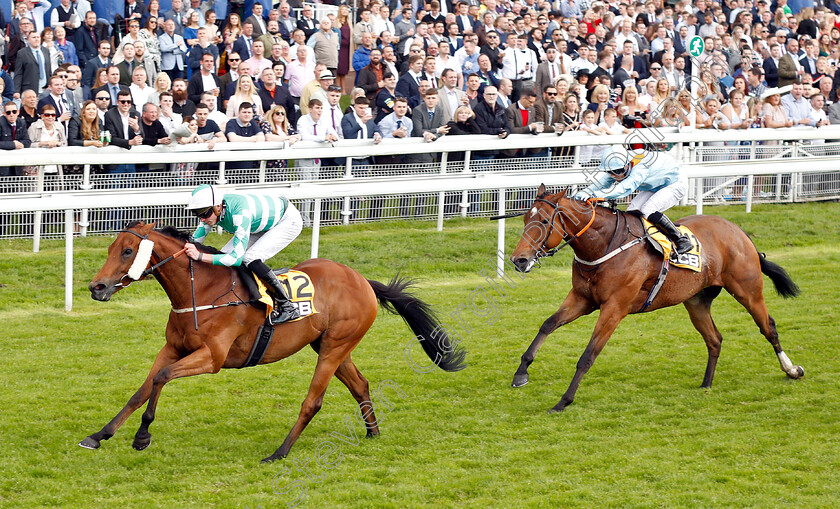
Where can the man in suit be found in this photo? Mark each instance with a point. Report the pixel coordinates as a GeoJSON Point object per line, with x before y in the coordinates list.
{"type": "Point", "coordinates": [450, 95]}
{"type": "Point", "coordinates": [256, 19]}
{"type": "Point", "coordinates": [408, 83]}
{"type": "Point", "coordinates": [271, 92]}
{"type": "Point", "coordinates": [550, 69]}
{"type": "Point", "coordinates": [55, 97]}
{"type": "Point", "coordinates": [127, 65]}
{"type": "Point", "coordinates": [200, 81]}
{"type": "Point", "coordinates": [88, 37]}
{"type": "Point", "coordinates": [789, 69]}
{"type": "Point", "coordinates": [13, 135]}
{"type": "Point", "coordinates": [287, 22]}
{"type": "Point", "coordinates": [113, 86]}
{"type": "Point", "coordinates": [548, 110]}
{"type": "Point", "coordinates": [32, 67]}
{"type": "Point", "coordinates": [359, 124]}
{"type": "Point", "coordinates": [522, 119]}
{"type": "Point", "coordinates": [173, 51]}
{"type": "Point", "coordinates": [271, 37]}
{"type": "Point", "coordinates": [427, 120]}
{"type": "Point", "coordinates": [101, 60]}
{"type": "Point", "coordinates": [176, 15]}
{"type": "Point", "coordinates": [123, 122]}
{"type": "Point", "coordinates": [370, 77]}
{"type": "Point", "coordinates": [245, 41]}
{"type": "Point", "coordinates": [771, 66]}
{"type": "Point", "coordinates": [306, 23]}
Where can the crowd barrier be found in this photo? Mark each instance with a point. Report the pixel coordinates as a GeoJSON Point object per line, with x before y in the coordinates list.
{"type": "Point", "coordinates": [771, 165]}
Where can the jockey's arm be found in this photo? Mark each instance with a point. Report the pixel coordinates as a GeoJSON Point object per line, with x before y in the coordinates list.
{"type": "Point", "coordinates": [620, 189]}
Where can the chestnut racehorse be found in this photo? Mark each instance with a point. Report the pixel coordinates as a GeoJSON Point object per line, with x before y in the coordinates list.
{"type": "Point", "coordinates": [346, 304]}
{"type": "Point", "coordinates": [621, 284]}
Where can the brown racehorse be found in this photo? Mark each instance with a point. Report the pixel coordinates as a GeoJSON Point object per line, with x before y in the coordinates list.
{"type": "Point", "coordinates": [620, 285]}
{"type": "Point", "coordinates": [346, 304]}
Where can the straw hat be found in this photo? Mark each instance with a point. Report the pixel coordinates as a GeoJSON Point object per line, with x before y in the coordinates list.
{"type": "Point", "coordinates": [776, 91]}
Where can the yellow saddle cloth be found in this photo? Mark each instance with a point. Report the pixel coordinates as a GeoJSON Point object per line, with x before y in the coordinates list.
{"type": "Point", "coordinates": [691, 260]}
{"type": "Point", "coordinates": [299, 289]}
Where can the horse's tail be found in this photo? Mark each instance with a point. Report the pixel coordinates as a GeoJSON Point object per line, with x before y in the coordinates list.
{"type": "Point", "coordinates": [419, 316]}
{"type": "Point", "coordinates": [784, 284]}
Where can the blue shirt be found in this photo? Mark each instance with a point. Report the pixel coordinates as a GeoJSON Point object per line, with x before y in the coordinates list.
{"type": "Point", "coordinates": [654, 172]}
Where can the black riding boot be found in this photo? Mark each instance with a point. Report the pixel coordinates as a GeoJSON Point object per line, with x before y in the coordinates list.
{"type": "Point", "coordinates": [680, 240]}
{"type": "Point", "coordinates": [284, 310]}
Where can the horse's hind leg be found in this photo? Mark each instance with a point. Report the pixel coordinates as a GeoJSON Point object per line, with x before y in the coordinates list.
{"type": "Point", "coordinates": [752, 298]}
{"type": "Point", "coordinates": [350, 376]}
{"type": "Point", "coordinates": [573, 307]}
{"type": "Point", "coordinates": [328, 362]}
{"type": "Point", "coordinates": [699, 309]}
{"type": "Point", "coordinates": [165, 357]}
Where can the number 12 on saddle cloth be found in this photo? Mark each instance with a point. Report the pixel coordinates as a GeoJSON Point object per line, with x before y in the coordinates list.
{"type": "Point", "coordinates": [299, 290]}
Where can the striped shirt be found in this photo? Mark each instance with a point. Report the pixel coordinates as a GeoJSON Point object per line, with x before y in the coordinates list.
{"type": "Point", "coordinates": [242, 215]}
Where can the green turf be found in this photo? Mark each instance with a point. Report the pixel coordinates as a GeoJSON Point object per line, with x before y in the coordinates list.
{"type": "Point", "coordinates": [641, 432]}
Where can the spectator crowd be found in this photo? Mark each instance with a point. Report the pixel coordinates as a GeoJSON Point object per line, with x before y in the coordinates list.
{"type": "Point", "coordinates": [411, 69]}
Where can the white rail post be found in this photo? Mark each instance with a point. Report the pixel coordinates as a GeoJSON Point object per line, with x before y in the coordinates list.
{"type": "Point", "coordinates": [750, 180]}
{"type": "Point", "coordinates": [698, 198]}
{"type": "Point", "coordinates": [464, 195]}
{"type": "Point", "coordinates": [84, 220]}
{"type": "Point", "coordinates": [39, 214]}
{"type": "Point", "coordinates": [500, 244]}
{"type": "Point", "coordinates": [444, 158]}
{"type": "Point", "coordinates": [261, 176]}
{"type": "Point", "coordinates": [316, 228]}
{"type": "Point", "coordinates": [68, 260]}
{"type": "Point", "coordinates": [348, 173]}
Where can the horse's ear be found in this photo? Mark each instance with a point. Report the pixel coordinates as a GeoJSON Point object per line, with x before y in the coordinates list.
{"type": "Point", "coordinates": [562, 194]}
{"type": "Point", "coordinates": [541, 190]}
{"type": "Point", "coordinates": [146, 228]}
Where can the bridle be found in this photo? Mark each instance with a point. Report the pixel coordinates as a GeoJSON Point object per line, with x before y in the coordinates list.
{"type": "Point", "coordinates": [151, 269]}
{"type": "Point", "coordinates": [567, 237]}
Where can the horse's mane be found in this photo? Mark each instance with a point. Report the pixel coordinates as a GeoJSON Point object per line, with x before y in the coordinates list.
{"type": "Point", "coordinates": [171, 231]}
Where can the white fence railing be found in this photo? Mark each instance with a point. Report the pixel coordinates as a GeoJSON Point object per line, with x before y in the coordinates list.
{"type": "Point", "coordinates": [794, 167]}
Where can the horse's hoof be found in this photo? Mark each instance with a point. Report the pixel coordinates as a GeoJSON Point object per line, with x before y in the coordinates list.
{"type": "Point", "coordinates": [273, 457]}
{"type": "Point", "coordinates": [559, 407]}
{"type": "Point", "coordinates": [798, 372]}
{"type": "Point", "coordinates": [371, 434]}
{"type": "Point", "coordinates": [140, 444]}
{"type": "Point", "coordinates": [89, 443]}
{"type": "Point", "coordinates": [519, 380]}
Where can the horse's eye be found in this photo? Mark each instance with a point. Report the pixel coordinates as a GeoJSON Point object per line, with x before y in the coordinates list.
{"type": "Point", "coordinates": [127, 251]}
{"type": "Point", "coordinates": [544, 221]}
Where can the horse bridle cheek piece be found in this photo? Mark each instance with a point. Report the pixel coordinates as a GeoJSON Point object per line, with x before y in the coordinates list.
{"type": "Point", "coordinates": [568, 239]}
{"type": "Point", "coordinates": [142, 259]}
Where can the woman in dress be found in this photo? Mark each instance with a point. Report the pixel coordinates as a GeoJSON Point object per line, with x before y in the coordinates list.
{"type": "Point", "coordinates": [67, 48]}
{"type": "Point", "coordinates": [737, 114]}
{"type": "Point", "coordinates": [245, 92]}
{"type": "Point", "coordinates": [232, 30]}
{"type": "Point", "coordinates": [162, 84]}
{"type": "Point", "coordinates": [48, 42]}
{"type": "Point", "coordinates": [84, 130]}
{"type": "Point", "coordinates": [631, 107]}
{"type": "Point", "coordinates": [46, 133]}
{"type": "Point", "coordinates": [191, 28]}
{"type": "Point", "coordinates": [663, 92]}
{"type": "Point", "coordinates": [345, 50]}
{"type": "Point", "coordinates": [210, 23]}
{"type": "Point", "coordinates": [600, 102]}
{"type": "Point", "coordinates": [276, 127]}
{"type": "Point", "coordinates": [571, 115]}
{"type": "Point", "coordinates": [149, 35]}
{"type": "Point", "coordinates": [153, 11]}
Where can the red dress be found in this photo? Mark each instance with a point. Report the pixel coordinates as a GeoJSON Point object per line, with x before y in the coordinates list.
{"type": "Point", "coordinates": [344, 51]}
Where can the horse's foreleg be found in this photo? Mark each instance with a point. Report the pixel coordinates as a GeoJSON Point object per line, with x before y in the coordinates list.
{"type": "Point", "coordinates": [607, 322]}
{"type": "Point", "coordinates": [165, 357]}
{"type": "Point", "coordinates": [573, 307]}
{"type": "Point", "coordinates": [198, 362]}
{"type": "Point", "coordinates": [324, 370]}
{"type": "Point", "coordinates": [699, 310]}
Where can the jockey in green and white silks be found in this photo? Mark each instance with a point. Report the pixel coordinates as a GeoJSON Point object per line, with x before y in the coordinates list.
{"type": "Point", "coordinates": [655, 175]}
{"type": "Point", "coordinates": [261, 225]}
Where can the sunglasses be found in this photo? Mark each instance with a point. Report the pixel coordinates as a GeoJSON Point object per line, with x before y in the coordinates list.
{"type": "Point", "coordinates": [234, 59]}
{"type": "Point", "coordinates": [551, 93]}
{"type": "Point", "coordinates": [47, 114]}
{"type": "Point", "coordinates": [11, 112]}
{"type": "Point", "coordinates": [279, 114]}
{"type": "Point", "coordinates": [103, 98]}
{"type": "Point", "coordinates": [123, 101]}
{"type": "Point", "coordinates": [204, 213]}
{"type": "Point", "coordinates": [655, 68]}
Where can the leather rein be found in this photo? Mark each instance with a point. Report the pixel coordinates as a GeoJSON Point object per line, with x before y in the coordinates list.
{"type": "Point", "coordinates": [567, 237]}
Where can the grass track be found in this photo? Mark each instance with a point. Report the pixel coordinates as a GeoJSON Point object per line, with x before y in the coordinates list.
{"type": "Point", "coordinates": [640, 434]}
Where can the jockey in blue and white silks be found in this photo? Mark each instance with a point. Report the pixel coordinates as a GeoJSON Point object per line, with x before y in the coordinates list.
{"type": "Point", "coordinates": [261, 225]}
{"type": "Point", "coordinates": [657, 178]}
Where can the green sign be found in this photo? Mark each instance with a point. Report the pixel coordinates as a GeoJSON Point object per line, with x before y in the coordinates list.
{"type": "Point", "coordinates": [696, 46]}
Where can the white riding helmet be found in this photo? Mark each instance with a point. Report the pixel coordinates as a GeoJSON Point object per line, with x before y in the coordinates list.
{"type": "Point", "coordinates": [205, 196]}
